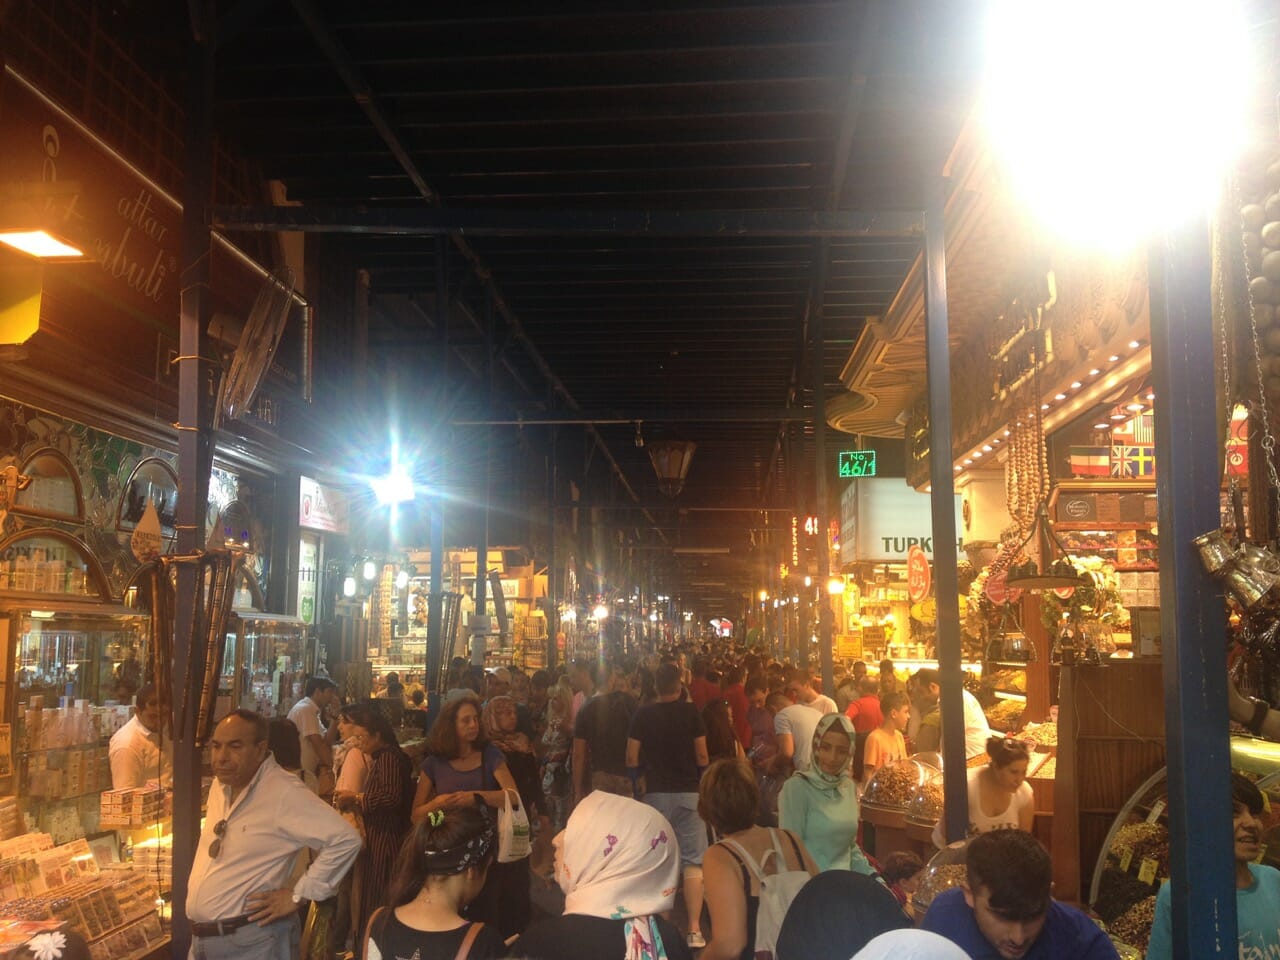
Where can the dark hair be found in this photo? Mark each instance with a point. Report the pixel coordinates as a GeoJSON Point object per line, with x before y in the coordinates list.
{"type": "Point", "coordinates": [754, 684]}
{"type": "Point", "coordinates": [728, 797]}
{"type": "Point", "coordinates": [375, 721]}
{"type": "Point", "coordinates": [734, 674]}
{"type": "Point", "coordinates": [1003, 751]}
{"type": "Point", "coordinates": [146, 693]}
{"type": "Point", "coordinates": [442, 741]}
{"type": "Point", "coordinates": [836, 914]}
{"type": "Point", "coordinates": [283, 741]}
{"type": "Point", "coordinates": [721, 739]}
{"type": "Point", "coordinates": [417, 697]}
{"type": "Point", "coordinates": [1246, 793]}
{"type": "Point", "coordinates": [926, 676]}
{"type": "Point", "coordinates": [1015, 870]}
{"type": "Point", "coordinates": [667, 679]}
{"type": "Point", "coordinates": [777, 700]}
{"type": "Point", "coordinates": [801, 675]}
{"type": "Point", "coordinates": [318, 683]}
{"type": "Point", "coordinates": [893, 700]}
{"type": "Point", "coordinates": [259, 722]}
{"type": "Point", "coordinates": [868, 686]}
{"type": "Point", "coordinates": [414, 868]}
{"type": "Point", "coordinates": [900, 865]}
{"type": "Point", "coordinates": [541, 678]}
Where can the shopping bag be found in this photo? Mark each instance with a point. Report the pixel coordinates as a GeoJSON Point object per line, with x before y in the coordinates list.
{"type": "Point", "coordinates": [513, 830]}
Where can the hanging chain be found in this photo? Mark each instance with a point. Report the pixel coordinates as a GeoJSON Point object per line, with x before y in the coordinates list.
{"type": "Point", "coordinates": [1268, 441]}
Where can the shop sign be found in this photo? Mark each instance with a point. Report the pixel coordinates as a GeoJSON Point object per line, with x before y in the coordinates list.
{"type": "Point", "coordinates": [919, 574]}
{"type": "Point", "coordinates": [511, 589]}
{"type": "Point", "coordinates": [121, 308]}
{"type": "Point", "coordinates": [885, 518]}
{"type": "Point", "coordinates": [320, 507]}
{"type": "Point", "coordinates": [857, 463]}
{"type": "Point", "coordinates": [308, 573]}
{"type": "Point", "coordinates": [998, 591]}
{"type": "Point", "coordinates": [849, 646]}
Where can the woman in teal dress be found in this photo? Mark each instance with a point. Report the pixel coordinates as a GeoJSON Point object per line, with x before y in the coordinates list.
{"type": "Point", "coordinates": [820, 804]}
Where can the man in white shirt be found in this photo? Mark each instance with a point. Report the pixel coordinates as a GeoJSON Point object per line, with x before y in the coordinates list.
{"type": "Point", "coordinates": [793, 728]}
{"type": "Point", "coordinates": [316, 739]}
{"type": "Point", "coordinates": [137, 753]}
{"type": "Point", "coordinates": [800, 686]}
{"type": "Point", "coordinates": [976, 729]}
{"type": "Point", "coordinates": [259, 817]}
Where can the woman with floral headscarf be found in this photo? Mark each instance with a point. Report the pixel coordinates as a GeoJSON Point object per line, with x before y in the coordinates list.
{"type": "Point", "coordinates": [618, 866]}
{"type": "Point", "coordinates": [820, 804]}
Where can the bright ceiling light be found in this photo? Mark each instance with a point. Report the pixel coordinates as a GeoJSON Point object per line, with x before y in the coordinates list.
{"type": "Point", "coordinates": [601, 612]}
{"type": "Point", "coordinates": [395, 487]}
{"type": "Point", "coordinates": [835, 586]}
{"type": "Point", "coordinates": [40, 244]}
{"type": "Point", "coordinates": [1137, 139]}
{"type": "Point", "coordinates": [402, 579]}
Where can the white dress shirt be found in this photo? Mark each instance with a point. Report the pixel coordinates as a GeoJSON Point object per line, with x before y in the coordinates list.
{"type": "Point", "coordinates": [306, 717]}
{"type": "Point", "coordinates": [273, 818]}
{"type": "Point", "coordinates": [136, 756]}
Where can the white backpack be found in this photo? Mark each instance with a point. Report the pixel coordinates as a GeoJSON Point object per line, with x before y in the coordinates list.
{"type": "Point", "coordinates": [777, 889]}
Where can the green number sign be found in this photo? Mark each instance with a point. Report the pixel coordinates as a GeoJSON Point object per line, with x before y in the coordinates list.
{"type": "Point", "coordinates": [857, 463]}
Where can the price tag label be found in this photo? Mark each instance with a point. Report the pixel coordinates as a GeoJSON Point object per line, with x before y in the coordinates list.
{"type": "Point", "coordinates": [1157, 808]}
{"type": "Point", "coordinates": [1147, 872]}
{"type": "Point", "coordinates": [1126, 860]}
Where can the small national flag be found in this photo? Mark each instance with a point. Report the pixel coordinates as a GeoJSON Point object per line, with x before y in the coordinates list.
{"type": "Point", "coordinates": [1090, 461]}
{"type": "Point", "coordinates": [1136, 431]}
{"type": "Point", "coordinates": [1133, 461]}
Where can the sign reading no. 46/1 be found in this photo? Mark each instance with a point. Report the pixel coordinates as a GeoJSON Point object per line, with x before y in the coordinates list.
{"type": "Point", "coordinates": [857, 463]}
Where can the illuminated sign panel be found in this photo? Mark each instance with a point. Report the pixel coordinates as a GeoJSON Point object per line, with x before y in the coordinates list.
{"type": "Point", "coordinates": [857, 463]}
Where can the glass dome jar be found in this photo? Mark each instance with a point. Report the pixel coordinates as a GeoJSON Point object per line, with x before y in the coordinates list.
{"type": "Point", "coordinates": [926, 805]}
{"type": "Point", "coordinates": [895, 784]}
{"type": "Point", "coordinates": [945, 870]}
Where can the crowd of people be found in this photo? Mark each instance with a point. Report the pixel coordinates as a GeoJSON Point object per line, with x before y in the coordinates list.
{"type": "Point", "coordinates": [703, 806]}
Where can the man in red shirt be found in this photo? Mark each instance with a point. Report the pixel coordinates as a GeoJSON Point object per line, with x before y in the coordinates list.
{"type": "Point", "coordinates": [865, 711]}
{"type": "Point", "coordinates": [736, 696]}
{"type": "Point", "coordinates": [701, 690]}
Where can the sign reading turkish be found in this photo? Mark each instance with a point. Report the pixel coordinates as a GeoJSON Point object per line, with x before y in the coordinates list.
{"type": "Point", "coordinates": [883, 518]}
{"type": "Point", "coordinates": [857, 463]}
{"type": "Point", "coordinates": [320, 507]}
{"type": "Point", "coordinates": [919, 574]}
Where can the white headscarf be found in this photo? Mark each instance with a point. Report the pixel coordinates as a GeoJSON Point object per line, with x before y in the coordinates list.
{"type": "Point", "coordinates": [910, 945]}
{"type": "Point", "coordinates": [617, 858]}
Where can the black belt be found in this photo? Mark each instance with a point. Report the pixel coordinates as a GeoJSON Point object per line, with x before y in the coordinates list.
{"type": "Point", "coordinates": [219, 928]}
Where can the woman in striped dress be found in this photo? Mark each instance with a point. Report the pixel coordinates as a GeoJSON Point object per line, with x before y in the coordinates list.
{"type": "Point", "coordinates": [385, 805]}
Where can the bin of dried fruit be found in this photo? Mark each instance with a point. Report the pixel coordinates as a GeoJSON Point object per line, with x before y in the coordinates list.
{"type": "Point", "coordinates": [1047, 770]}
{"type": "Point", "coordinates": [1133, 927]}
{"type": "Point", "coordinates": [1142, 841]}
{"type": "Point", "coordinates": [926, 805]}
{"type": "Point", "coordinates": [1044, 734]}
{"type": "Point", "coordinates": [894, 785]}
{"type": "Point", "coordinates": [945, 870]}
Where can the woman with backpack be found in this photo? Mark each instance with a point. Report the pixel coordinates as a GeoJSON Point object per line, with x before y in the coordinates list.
{"type": "Point", "coordinates": [752, 874]}
{"type": "Point", "coordinates": [820, 804]}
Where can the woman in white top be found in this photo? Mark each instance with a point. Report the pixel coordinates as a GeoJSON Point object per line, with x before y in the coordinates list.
{"type": "Point", "coordinates": [999, 796]}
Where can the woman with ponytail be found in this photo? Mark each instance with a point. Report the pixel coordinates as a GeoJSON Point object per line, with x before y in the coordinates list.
{"type": "Point", "coordinates": [441, 869]}
{"type": "Point", "coordinates": [999, 795]}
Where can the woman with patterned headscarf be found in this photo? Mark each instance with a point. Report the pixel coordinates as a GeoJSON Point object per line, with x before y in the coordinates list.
{"type": "Point", "coordinates": [618, 866]}
{"type": "Point", "coordinates": [820, 805]}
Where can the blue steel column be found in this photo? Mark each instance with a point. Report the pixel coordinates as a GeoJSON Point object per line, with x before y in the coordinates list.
{"type": "Point", "coordinates": [826, 616]}
{"type": "Point", "coordinates": [942, 478]}
{"type": "Point", "coordinates": [194, 453]}
{"type": "Point", "coordinates": [1191, 612]}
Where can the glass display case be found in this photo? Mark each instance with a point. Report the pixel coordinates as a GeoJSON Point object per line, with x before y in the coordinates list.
{"type": "Point", "coordinates": [265, 663]}
{"type": "Point", "coordinates": [926, 806]}
{"type": "Point", "coordinates": [944, 870]}
{"type": "Point", "coordinates": [1135, 856]}
{"type": "Point", "coordinates": [895, 785]}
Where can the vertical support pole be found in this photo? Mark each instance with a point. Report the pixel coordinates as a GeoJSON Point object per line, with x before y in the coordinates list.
{"type": "Point", "coordinates": [194, 450]}
{"type": "Point", "coordinates": [435, 600]}
{"type": "Point", "coordinates": [553, 595]}
{"type": "Point", "coordinates": [942, 479]}
{"type": "Point", "coordinates": [485, 486]}
{"type": "Point", "coordinates": [826, 615]}
{"type": "Point", "coordinates": [1191, 615]}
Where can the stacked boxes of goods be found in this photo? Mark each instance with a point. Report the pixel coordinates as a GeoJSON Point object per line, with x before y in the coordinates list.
{"type": "Point", "coordinates": [130, 807]}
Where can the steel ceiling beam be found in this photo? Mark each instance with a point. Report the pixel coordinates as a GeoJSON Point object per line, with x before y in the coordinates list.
{"type": "Point", "coordinates": [434, 221]}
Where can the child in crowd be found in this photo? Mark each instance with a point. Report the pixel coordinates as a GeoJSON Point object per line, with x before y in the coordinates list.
{"type": "Point", "coordinates": [902, 871]}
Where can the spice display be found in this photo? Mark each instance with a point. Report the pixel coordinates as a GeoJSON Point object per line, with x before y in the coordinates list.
{"type": "Point", "coordinates": [1005, 715]}
{"type": "Point", "coordinates": [1045, 734]}
{"type": "Point", "coordinates": [1143, 841]}
{"type": "Point", "coordinates": [939, 878]}
{"type": "Point", "coordinates": [927, 803]}
{"type": "Point", "coordinates": [1048, 770]}
{"type": "Point", "coordinates": [895, 785]}
{"type": "Point", "coordinates": [1010, 681]}
{"type": "Point", "coordinates": [1133, 927]}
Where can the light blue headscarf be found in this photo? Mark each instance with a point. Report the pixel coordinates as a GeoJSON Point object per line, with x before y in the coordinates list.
{"type": "Point", "coordinates": [815, 774]}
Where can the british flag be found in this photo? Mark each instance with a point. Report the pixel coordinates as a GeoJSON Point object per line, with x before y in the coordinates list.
{"type": "Point", "coordinates": [1127, 461]}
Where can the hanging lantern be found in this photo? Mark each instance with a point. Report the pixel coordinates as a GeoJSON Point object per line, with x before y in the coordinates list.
{"type": "Point", "coordinates": [671, 459]}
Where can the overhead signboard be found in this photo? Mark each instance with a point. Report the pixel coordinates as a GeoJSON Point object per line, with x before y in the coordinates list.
{"type": "Point", "coordinates": [857, 463]}
{"type": "Point", "coordinates": [883, 518]}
